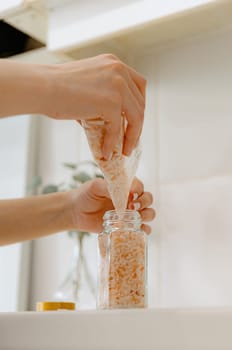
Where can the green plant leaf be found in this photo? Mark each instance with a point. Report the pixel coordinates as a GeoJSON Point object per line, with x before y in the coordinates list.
{"type": "Point", "coordinates": [70, 165]}
{"type": "Point", "coordinates": [73, 186]}
{"type": "Point", "coordinates": [35, 182]}
{"type": "Point", "coordinates": [50, 189]}
{"type": "Point", "coordinates": [100, 176]}
{"type": "Point", "coordinates": [81, 177]}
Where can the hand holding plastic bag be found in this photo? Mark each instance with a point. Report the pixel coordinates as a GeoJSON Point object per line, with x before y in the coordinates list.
{"type": "Point", "coordinates": [119, 170]}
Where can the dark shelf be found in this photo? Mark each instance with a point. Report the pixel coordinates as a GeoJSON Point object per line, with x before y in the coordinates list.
{"type": "Point", "coordinates": [13, 41]}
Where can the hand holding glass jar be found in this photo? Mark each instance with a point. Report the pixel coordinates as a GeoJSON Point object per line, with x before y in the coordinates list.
{"type": "Point", "coordinates": [90, 202]}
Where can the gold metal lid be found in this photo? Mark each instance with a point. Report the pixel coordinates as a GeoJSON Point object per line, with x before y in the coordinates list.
{"type": "Point", "coordinates": [54, 306]}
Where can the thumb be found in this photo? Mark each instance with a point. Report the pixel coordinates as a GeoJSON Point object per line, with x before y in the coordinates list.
{"type": "Point", "coordinates": [99, 189]}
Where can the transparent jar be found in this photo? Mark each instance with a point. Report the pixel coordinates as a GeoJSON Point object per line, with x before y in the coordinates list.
{"type": "Point", "coordinates": [122, 280]}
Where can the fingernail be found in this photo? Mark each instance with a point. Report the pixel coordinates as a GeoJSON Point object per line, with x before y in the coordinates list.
{"type": "Point", "coordinates": [131, 206]}
{"type": "Point", "coordinates": [135, 196]}
{"type": "Point", "coordinates": [126, 151]}
{"type": "Point", "coordinates": [136, 206]}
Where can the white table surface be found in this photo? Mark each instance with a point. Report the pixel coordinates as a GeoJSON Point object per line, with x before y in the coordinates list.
{"type": "Point", "coordinates": [155, 329]}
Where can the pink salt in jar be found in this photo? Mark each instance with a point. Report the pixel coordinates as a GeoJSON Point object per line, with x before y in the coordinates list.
{"type": "Point", "coordinates": [122, 281]}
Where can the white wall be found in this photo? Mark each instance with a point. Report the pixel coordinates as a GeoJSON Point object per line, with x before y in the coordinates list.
{"type": "Point", "coordinates": [13, 165]}
{"type": "Point", "coordinates": [191, 84]}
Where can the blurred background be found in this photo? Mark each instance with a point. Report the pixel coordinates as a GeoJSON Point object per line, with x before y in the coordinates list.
{"type": "Point", "coordinates": [186, 143]}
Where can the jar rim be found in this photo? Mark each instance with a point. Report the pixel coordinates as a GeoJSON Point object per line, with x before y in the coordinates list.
{"type": "Point", "coordinates": [127, 215]}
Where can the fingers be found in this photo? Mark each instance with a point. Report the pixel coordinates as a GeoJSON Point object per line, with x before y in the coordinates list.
{"type": "Point", "coordinates": [131, 86]}
{"type": "Point", "coordinates": [141, 201]}
{"type": "Point", "coordinates": [134, 117]}
{"type": "Point", "coordinates": [136, 91]}
{"type": "Point", "coordinates": [112, 132]}
{"type": "Point", "coordinates": [146, 229]}
{"type": "Point", "coordinates": [139, 80]}
{"type": "Point", "coordinates": [144, 201]}
{"type": "Point", "coordinates": [132, 135]}
{"type": "Point", "coordinates": [147, 214]}
{"type": "Point", "coordinates": [98, 188]}
{"type": "Point", "coordinates": [138, 199]}
{"type": "Point", "coordinates": [136, 190]}
{"type": "Point", "coordinates": [133, 108]}
{"type": "Point", "coordinates": [137, 85]}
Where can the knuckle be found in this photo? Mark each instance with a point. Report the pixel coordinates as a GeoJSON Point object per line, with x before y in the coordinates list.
{"type": "Point", "coordinates": [111, 56]}
{"type": "Point", "coordinates": [144, 82]}
{"type": "Point", "coordinates": [95, 184]}
{"type": "Point", "coordinates": [117, 67]}
{"type": "Point", "coordinates": [118, 82]}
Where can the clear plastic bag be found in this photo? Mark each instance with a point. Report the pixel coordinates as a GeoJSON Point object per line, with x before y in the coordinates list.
{"type": "Point", "coordinates": [119, 171]}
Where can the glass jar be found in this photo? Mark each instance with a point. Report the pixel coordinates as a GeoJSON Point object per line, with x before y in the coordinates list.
{"type": "Point", "coordinates": [122, 246]}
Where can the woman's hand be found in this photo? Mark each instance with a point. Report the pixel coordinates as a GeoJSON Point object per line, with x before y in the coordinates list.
{"type": "Point", "coordinates": [100, 87]}
{"type": "Point", "coordinates": [80, 209]}
{"type": "Point", "coordinates": [92, 200]}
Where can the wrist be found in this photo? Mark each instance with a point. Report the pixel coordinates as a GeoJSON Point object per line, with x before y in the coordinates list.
{"type": "Point", "coordinates": [41, 88]}
{"type": "Point", "coordinates": [24, 88]}
{"type": "Point", "coordinates": [67, 214]}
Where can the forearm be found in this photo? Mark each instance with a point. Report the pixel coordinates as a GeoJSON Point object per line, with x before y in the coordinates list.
{"type": "Point", "coordinates": [34, 217]}
{"type": "Point", "coordinates": [24, 88]}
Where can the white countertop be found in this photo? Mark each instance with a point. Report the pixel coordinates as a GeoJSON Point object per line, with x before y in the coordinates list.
{"type": "Point", "coordinates": [153, 329]}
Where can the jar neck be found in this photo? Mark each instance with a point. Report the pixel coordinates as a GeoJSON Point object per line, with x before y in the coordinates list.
{"type": "Point", "coordinates": [128, 220]}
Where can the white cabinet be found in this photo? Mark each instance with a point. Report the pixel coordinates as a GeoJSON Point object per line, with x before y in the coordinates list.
{"type": "Point", "coordinates": [9, 5]}
{"type": "Point", "coordinates": [132, 24]}
{"type": "Point", "coordinates": [29, 16]}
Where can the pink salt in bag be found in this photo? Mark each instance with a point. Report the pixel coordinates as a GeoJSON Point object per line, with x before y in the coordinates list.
{"type": "Point", "coordinates": [119, 171]}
